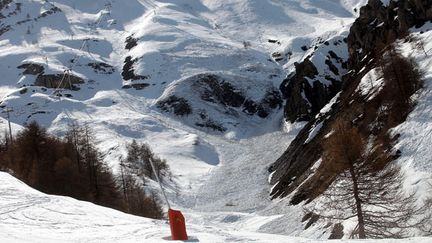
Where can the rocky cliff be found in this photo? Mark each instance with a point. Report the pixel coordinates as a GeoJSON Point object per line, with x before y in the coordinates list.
{"type": "Point", "coordinates": [377, 26]}
{"type": "Point", "coordinates": [380, 25]}
{"type": "Point", "coordinates": [316, 80]}
{"type": "Point", "coordinates": [300, 170]}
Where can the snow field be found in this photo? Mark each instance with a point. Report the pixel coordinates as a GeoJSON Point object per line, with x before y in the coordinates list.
{"type": "Point", "coordinates": [27, 215]}
{"type": "Point", "coordinates": [221, 179]}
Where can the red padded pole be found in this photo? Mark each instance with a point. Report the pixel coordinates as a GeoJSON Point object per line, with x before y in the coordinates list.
{"type": "Point", "coordinates": [177, 224]}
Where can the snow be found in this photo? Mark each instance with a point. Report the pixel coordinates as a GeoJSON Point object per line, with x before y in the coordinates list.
{"type": "Point", "coordinates": [176, 40]}
{"type": "Point", "coordinates": [416, 132]}
{"type": "Point", "coordinates": [313, 132]}
{"type": "Point", "coordinates": [371, 84]}
{"type": "Point", "coordinates": [327, 108]}
{"type": "Point", "coordinates": [27, 215]}
{"type": "Point", "coordinates": [385, 2]}
{"type": "Point", "coordinates": [221, 177]}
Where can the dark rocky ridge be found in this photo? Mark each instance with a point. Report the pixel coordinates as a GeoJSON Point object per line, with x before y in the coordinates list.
{"type": "Point", "coordinates": [378, 26]}
{"type": "Point", "coordinates": [293, 168]}
{"type": "Point", "coordinates": [55, 81]}
{"type": "Point", "coordinates": [6, 5]}
{"type": "Point", "coordinates": [3, 5]}
{"type": "Point", "coordinates": [306, 90]}
{"type": "Point", "coordinates": [303, 100]}
{"type": "Point", "coordinates": [218, 90]}
{"type": "Point", "coordinates": [221, 93]}
{"type": "Point", "coordinates": [70, 81]}
{"type": "Point", "coordinates": [131, 42]}
{"type": "Point", "coordinates": [101, 67]}
{"type": "Point", "coordinates": [292, 173]}
{"type": "Point", "coordinates": [128, 72]}
{"type": "Point", "coordinates": [177, 105]}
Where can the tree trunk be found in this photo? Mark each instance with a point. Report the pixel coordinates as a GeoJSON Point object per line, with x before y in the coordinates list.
{"type": "Point", "coordinates": [124, 186]}
{"type": "Point", "coordinates": [77, 153]}
{"type": "Point", "coordinates": [361, 224]}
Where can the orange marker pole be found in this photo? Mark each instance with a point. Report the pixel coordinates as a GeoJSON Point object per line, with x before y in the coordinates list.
{"type": "Point", "coordinates": [176, 219]}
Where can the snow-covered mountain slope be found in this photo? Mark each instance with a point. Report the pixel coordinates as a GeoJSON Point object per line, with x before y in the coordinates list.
{"type": "Point", "coordinates": [125, 61]}
{"type": "Point", "coordinates": [27, 215]}
{"type": "Point", "coordinates": [416, 132]}
{"type": "Point", "coordinates": [367, 103]}
{"type": "Point", "coordinates": [372, 33]}
{"type": "Point", "coordinates": [160, 48]}
{"type": "Point", "coordinates": [151, 44]}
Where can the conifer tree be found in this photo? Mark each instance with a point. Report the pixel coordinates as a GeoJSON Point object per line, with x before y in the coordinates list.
{"type": "Point", "coordinates": [367, 188]}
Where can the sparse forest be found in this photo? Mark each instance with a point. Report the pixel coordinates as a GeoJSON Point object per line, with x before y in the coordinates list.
{"type": "Point", "coordinates": [135, 170]}
{"type": "Point", "coordinates": [138, 162]}
{"type": "Point", "coordinates": [73, 166]}
{"type": "Point", "coordinates": [367, 189]}
{"type": "Point", "coordinates": [402, 77]}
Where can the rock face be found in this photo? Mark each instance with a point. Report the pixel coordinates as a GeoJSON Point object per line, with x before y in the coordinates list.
{"type": "Point", "coordinates": [131, 42]}
{"type": "Point", "coordinates": [69, 81]}
{"type": "Point", "coordinates": [316, 80]}
{"type": "Point", "coordinates": [176, 105]}
{"type": "Point", "coordinates": [211, 100]}
{"type": "Point", "coordinates": [293, 170]}
{"type": "Point", "coordinates": [129, 74]}
{"type": "Point", "coordinates": [3, 4]}
{"type": "Point", "coordinates": [31, 68]}
{"type": "Point", "coordinates": [57, 81]}
{"type": "Point", "coordinates": [10, 8]}
{"type": "Point", "coordinates": [378, 26]}
{"type": "Point", "coordinates": [303, 99]}
{"type": "Point", "coordinates": [129, 71]}
{"type": "Point", "coordinates": [101, 67]}
{"type": "Point", "coordinates": [217, 90]}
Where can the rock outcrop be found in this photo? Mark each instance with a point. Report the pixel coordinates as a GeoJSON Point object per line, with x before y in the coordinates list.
{"type": "Point", "coordinates": [312, 85]}
{"type": "Point", "coordinates": [379, 25]}
{"type": "Point", "coordinates": [7, 10]}
{"type": "Point", "coordinates": [177, 105]}
{"type": "Point", "coordinates": [62, 81]}
{"type": "Point", "coordinates": [131, 78]}
{"type": "Point", "coordinates": [129, 71]}
{"type": "Point", "coordinates": [211, 100]}
{"type": "Point", "coordinates": [57, 81]}
{"type": "Point", "coordinates": [304, 95]}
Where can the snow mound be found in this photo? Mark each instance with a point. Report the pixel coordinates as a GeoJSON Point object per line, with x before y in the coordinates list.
{"type": "Point", "coordinates": [221, 102]}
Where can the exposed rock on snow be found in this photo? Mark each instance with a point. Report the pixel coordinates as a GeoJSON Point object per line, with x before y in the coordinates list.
{"type": "Point", "coordinates": [177, 105]}
{"type": "Point", "coordinates": [381, 24]}
{"type": "Point", "coordinates": [316, 80]}
{"type": "Point", "coordinates": [58, 81]}
{"type": "Point", "coordinates": [54, 81]}
{"type": "Point", "coordinates": [216, 101]}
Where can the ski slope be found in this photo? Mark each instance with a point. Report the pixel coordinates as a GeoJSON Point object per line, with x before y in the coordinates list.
{"type": "Point", "coordinates": [27, 215]}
